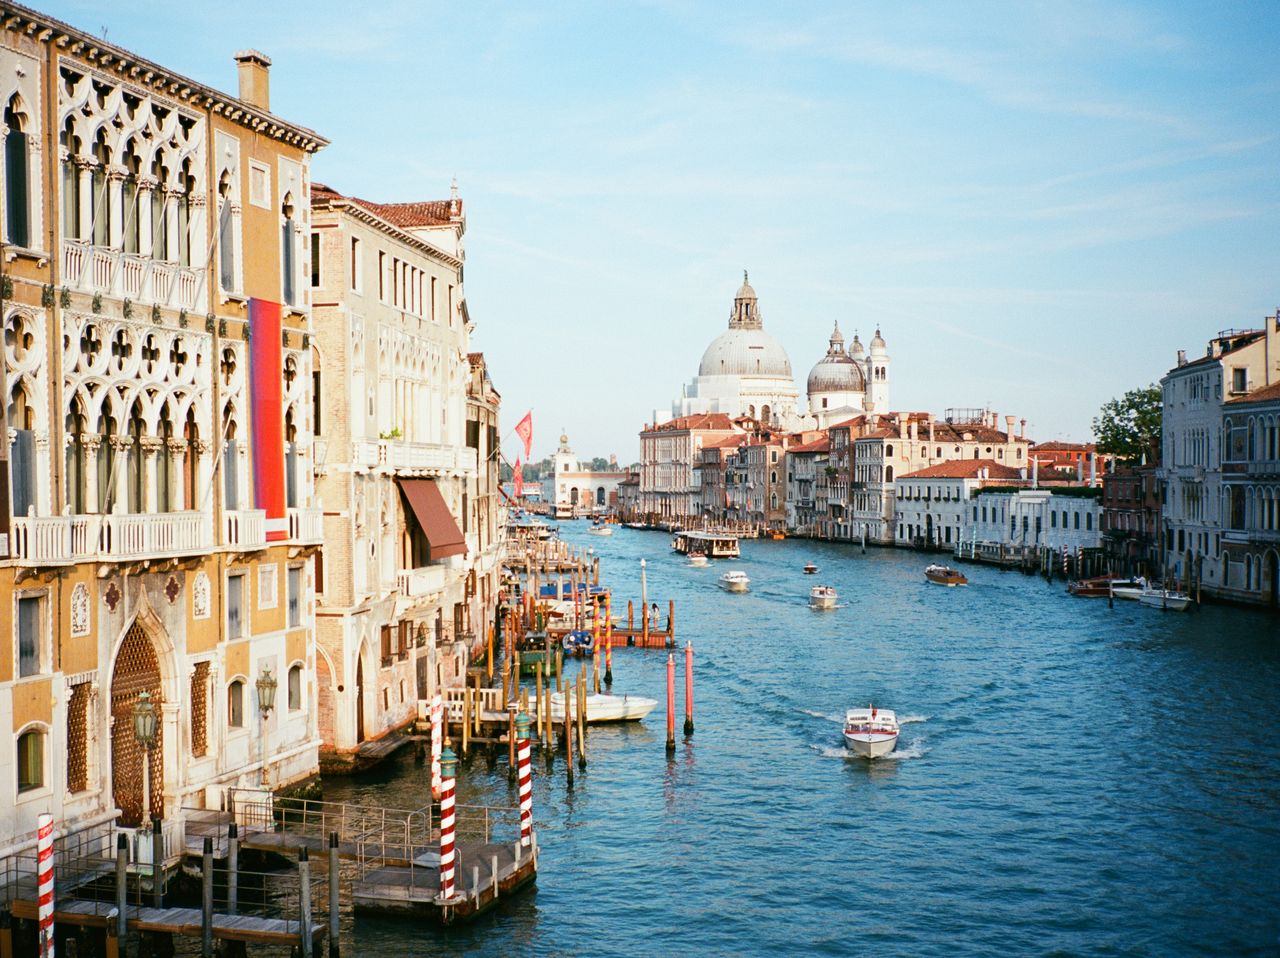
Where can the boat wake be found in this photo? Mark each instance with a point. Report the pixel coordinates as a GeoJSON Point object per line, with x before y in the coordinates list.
{"type": "Point", "coordinates": [913, 749]}
{"type": "Point", "coordinates": [908, 719]}
{"type": "Point", "coordinates": [838, 719]}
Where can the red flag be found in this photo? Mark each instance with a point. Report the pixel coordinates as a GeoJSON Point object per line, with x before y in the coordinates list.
{"type": "Point", "coordinates": [517, 478]}
{"type": "Point", "coordinates": [524, 429]}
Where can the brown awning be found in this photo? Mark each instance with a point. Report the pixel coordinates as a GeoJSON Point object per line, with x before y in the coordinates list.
{"type": "Point", "coordinates": [444, 538]}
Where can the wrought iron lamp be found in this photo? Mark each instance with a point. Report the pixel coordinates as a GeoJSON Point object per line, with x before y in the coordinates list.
{"type": "Point", "coordinates": [266, 685]}
{"type": "Point", "coordinates": [145, 726]}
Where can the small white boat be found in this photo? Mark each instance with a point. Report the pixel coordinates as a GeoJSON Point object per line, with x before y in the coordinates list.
{"type": "Point", "coordinates": [810, 568]}
{"type": "Point", "coordinates": [735, 580]}
{"type": "Point", "coordinates": [870, 732]}
{"type": "Point", "coordinates": [1134, 590]}
{"type": "Point", "coordinates": [601, 529]}
{"type": "Point", "coordinates": [1164, 599]}
{"type": "Point", "coordinates": [822, 597]}
{"type": "Point", "coordinates": [606, 708]}
{"type": "Point", "coordinates": [697, 559]}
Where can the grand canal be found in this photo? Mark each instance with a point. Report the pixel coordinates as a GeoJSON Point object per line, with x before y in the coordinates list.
{"type": "Point", "coordinates": [1074, 780]}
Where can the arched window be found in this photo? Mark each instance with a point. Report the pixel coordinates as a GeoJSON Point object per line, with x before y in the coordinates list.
{"type": "Point", "coordinates": [888, 473]}
{"type": "Point", "coordinates": [226, 235]}
{"type": "Point", "coordinates": [888, 450]}
{"type": "Point", "coordinates": [99, 187]}
{"type": "Point", "coordinates": [132, 167]}
{"type": "Point", "coordinates": [184, 214]}
{"type": "Point", "coordinates": [70, 144]}
{"type": "Point", "coordinates": [137, 480]}
{"type": "Point", "coordinates": [17, 192]}
{"type": "Point", "coordinates": [191, 461]}
{"type": "Point", "coordinates": [77, 464]}
{"type": "Point", "coordinates": [159, 228]}
{"type": "Point", "coordinates": [31, 760]}
{"type": "Point", "coordinates": [295, 688]}
{"type": "Point", "coordinates": [235, 704]}
{"type": "Point", "coordinates": [287, 264]}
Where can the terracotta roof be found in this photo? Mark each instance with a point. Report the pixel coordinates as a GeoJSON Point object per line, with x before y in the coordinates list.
{"type": "Point", "coordinates": [1063, 446]}
{"type": "Point", "coordinates": [1265, 394]}
{"type": "Point", "coordinates": [728, 442]}
{"type": "Point", "coordinates": [818, 445]}
{"type": "Point", "coordinates": [848, 423]}
{"type": "Point", "coordinates": [706, 420]}
{"type": "Point", "coordinates": [965, 469]}
{"type": "Point", "coordinates": [403, 215]}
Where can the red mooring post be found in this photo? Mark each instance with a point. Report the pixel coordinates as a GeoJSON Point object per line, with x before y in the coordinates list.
{"type": "Point", "coordinates": [448, 767]}
{"type": "Point", "coordinates": [688, 688]}
{"type": "Point", "coordinates": [608, 639]}
{"type": "Point", "coordinates": [525, 779]}
{"type": "Point", "coordinates": [671, 703]}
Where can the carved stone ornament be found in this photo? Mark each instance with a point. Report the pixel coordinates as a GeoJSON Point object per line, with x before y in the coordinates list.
{"type": "Point", "coordinates": [200, 596]}
{"type": "Point", "coordinates": [172, 589]}
{"type": "Point", "coordinates": [112, 596]}
{"type": "Point", "coordinates": [80, 611]}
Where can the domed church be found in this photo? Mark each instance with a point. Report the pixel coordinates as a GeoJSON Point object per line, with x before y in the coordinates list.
{"type": "Point", "coordinates": [845, 384]}
{"type": "Point", "coordinates": [744, 372]}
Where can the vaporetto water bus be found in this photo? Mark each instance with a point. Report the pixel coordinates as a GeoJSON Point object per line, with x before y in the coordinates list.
{"type": "Point", "coordinates": [714, 545]}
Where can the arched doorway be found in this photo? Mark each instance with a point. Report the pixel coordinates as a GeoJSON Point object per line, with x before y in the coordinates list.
{"type": "Point", "coordinates": [359, 699]}
{"type": "Point", "coordinates": [324, 699]}
{"type": "Point", "coordinates": [136, 670]}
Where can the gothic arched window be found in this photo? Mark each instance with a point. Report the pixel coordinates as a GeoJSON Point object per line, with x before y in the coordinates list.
{"type": "Point", "coordinates": [132, 166]}
{"type": "Point", "coordinates": [226, 235]}
{"type": "Point", "coordinates": [99, 189]}
{"type": "Point", "coordinates": [287, 265]}
{"type": "Point", "coordinates": [17, 192]}
{"type": "Point", "coordinates": [70, 143]}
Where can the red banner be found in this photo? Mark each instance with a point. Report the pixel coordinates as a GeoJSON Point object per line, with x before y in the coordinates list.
{"type": "Point", "coordinates": [266, 400]}
{"type": "Point", "coordinates": [524, 429]}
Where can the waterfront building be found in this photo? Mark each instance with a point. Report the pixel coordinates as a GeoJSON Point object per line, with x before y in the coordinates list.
{"type": "Point", "coordinates": [1015, 521]}
{"type": "Point", "coordinates": [629, 498]}
{"type": "Point", "coordinates": [833, 508]}
{"type": "Point", "coordinates": [668, 490]}
{"type": "Point", "coordinates": [395, 614]}
{"type": "Point", "coordinates": [1235, 363]}
{"type": "Point", "coordinates": [1131, 517]}
{"type": "Point", "coordinates": [736, 478]}
{"type": "Point", "coordinates": [744, 372]}
{"type": "Point", "coordinates": [574, 491]}
{"type": "Point", "coordinates": [1068, 460]}
{"type": "Point", "coordinates": [1251, 496]}
{"type": "Point", "coordinates": [713, 496]}
{"type": "Point", "coordinates": [930, 504]}
{"type": "Point", "coordinates": [766, 482]}
{"type": "Point", "coordinates": [908, 442]}
{"type": "Point", "coordinates": [160, 526]}
{"type": "Point", "coordinates": [484, 514]}
{"type": "Point", "coordinates": [805, 463]}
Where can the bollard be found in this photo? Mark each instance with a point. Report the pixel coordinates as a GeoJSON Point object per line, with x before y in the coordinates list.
{"type": "Point", "coordinates": [488, 659]}
{"type": "Point", "coordinates": [568, 741]}
{"type": "Point", "coordinates": [671, 703]}
{"type": "Point", "coordinates": [608, 636]}
{"type": "Point", "coordinates": [688, 688]}
{"type": "Point", "coordinates": [206, 899]}
{"type": "Point", "coordinates": [595, 649]}
{"type": "Point", "coordinates": [448, 767]}
{"type": "Point", "coordinates": [304, 901]}
{"type": "Point", "coordinates": [560, 669]}
{"type": "Point", "coordinates": [466, 719]}
{"type": "Point", "coordinates": [537, 702]}
{"type": "Point", "coordinates": [437, 737]}
{"type": "Point", "coordinates": [122, 889]}
{"type": "Point", "coordinates": [548, 733]}
{"type": "Point", "coordinates": [334, 901]}
{"type": "Point", "coordinates": [671, 623]}
{"type": "Point", "coordinates": [157, 861]}
{"type": "Point", "coordinates": [511, 741]}
{"type": "Point", "coordinates": [630, 615]}
{"type": "Point", "coordinates": [582, 719]}
{"type": "Point", "coordinates": [233, 866]}
{"type": "Point", "coordinates": [525, 780]}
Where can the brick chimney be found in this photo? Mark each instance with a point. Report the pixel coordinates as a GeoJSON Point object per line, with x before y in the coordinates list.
{"type": "Point", "coordinates": [255, 86]}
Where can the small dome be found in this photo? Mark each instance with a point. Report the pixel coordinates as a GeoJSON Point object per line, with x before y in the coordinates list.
{"type": "Point", "coordinates": [855, 348]}
{"type": "Point", "coordinates": [837, 371]}
{"type": "Point", "coordinates": [877, 342]}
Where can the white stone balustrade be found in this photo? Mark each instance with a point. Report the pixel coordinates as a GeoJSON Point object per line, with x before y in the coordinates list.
{"type": "Point", "coordinates": [100, 269]}
{"type": "Point", "coordinates": [67, 539]}
{"type": "Point", "coordinates": [424, 581]}
{"type": "Point", "coordinates": [245, 529]}
{"type": "Point", "coordinates": [306, 525]}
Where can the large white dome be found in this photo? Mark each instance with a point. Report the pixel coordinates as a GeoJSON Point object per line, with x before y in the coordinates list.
{"type": "Point", "coordinates": [745, 352]}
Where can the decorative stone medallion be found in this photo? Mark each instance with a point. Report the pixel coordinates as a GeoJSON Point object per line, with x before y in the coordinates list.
{"type": "Point", "coordinates": [80, 611]}
{"type": "Point", "coordinates": [112, 596]}
{"type": "Point", "coordinates": [200, 596]}
{"type": "Point", "coordinates": [172, 589]}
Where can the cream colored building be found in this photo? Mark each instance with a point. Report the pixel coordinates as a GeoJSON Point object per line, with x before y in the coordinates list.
{"type": "Point", "coordinates": [395, 617]}
{"type": "Point", "coordinates": [158, 408]}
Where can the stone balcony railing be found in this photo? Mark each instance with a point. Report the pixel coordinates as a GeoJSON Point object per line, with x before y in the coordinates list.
{"type": "Point", "coordinates": [423, 581]}
{"type": "Point", "coordinates": [56, 540]}
{"type": "Point", "coordinates": [398, 455]}
{"type": "Point", "coordinates": [100, 269]}
{"type": "Point", "coordinates": [245, 529]}
{"type": "Point", "coordinates": [306, 526]}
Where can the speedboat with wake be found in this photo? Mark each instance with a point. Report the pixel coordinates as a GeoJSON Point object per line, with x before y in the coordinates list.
{"type": "Point", "coordinates": [870, 732]}
{"type": "Point", "coordinates": [698, 559]}
{"type": "Point", "coordinates": [735, 580]}
{"type": "Point", "coordinates": [944, 575]}
{"type": "Point", "coordinates": [822, 597]}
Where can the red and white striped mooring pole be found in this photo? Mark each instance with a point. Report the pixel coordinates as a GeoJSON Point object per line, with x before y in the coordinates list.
{"type": "Point", "coordinates": [448, 766]}
{"type": "Point", "coordinates": [437, 740]}
{"type": "Point", "coordinates": [44, 881]}
{"type": "Point", "coordinates": [525, 778]}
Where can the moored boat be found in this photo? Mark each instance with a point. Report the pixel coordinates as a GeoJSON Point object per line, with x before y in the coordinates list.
{"type": "Point", "coordinates": [1100, 587]}
{"type": "Point", "coordinates": [810, 568]}
{"type": "Point", "coordinates": [605, 708]}
{"type": "Point", "coordinates": [822, 597]}
{"type": "Point", "coordinates": [870, 732]}
{"type": "Point", "coordinates": [735, 580]}
{"type": "Point", "coordinates": [577, 643]}
{"type": "Point", "coordinates": [1165, 599]}
{"type": "Point", "coordinates": [944, 575]}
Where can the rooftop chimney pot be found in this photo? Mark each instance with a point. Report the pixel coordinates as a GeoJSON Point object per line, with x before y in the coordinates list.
{"type": "Point", "coordinates": [255, 85]}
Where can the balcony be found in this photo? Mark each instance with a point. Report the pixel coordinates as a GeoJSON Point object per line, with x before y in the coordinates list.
{"type": "Point", "coordinates": [245, 530]}
{"type": "Point", "coordinates": [62, 540]}
{"type": "Point", "coordinates": [306, 526]}
{"type": "Point", "coordinates": [396, 455]}
{"type": "Point", "coordinates": [424, 581]}
{"type": "Point", "coordinates": [100, 269]}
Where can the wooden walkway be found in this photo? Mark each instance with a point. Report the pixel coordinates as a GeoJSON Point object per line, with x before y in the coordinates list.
{"type": "Point", "coordinates": [175, 921]}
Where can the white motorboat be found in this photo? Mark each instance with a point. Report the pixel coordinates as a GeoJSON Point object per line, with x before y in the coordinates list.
{"type": "Point", "coordinates": [735, 580]}
{"type": "Point", "coordinates": [870, 732]}
{"type": "Point", "coordinates": [822, 597]}
{"type": "Point", "coordinates": [1164, 599]}
{"type": "Point", "coordinates": [1131, 590]}
{"type": "Point", "coordinates": [697, 559]}
{"type": "Point", "coordinates": [605, 708]}
{"type": "Point", "coordinates": [601, 529]}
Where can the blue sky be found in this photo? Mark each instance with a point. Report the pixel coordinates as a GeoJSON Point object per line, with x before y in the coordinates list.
{"type": "Point", "coordinates": [1038, 203]}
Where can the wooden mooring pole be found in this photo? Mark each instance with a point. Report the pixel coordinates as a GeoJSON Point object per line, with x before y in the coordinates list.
{"type": "Point", "coordinates": [122, 889]}
{"type": "Point", "coordinates": [304, 901]}
{"type": "Point", "coordinates": [206, 899]}
{"type": "Point", "coordinates": [688, 688]}
{"type": "Point", "coordinates": [334, 901]}
{"type": "Point", "coordinates": [233, 866]}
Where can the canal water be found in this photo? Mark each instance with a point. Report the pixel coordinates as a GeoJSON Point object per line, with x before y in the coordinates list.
{"type": "Point", "coordinates": [1070, 780]}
